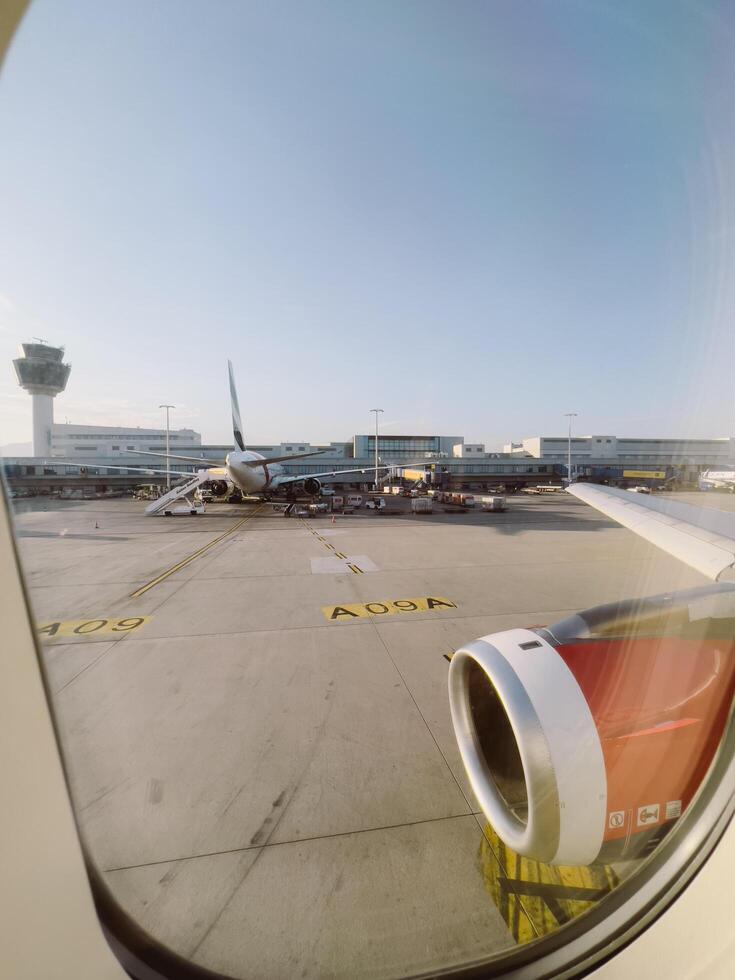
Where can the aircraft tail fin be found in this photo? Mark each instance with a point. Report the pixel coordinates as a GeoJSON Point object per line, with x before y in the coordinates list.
{"type": "Point", "coordinates": [236, 421]}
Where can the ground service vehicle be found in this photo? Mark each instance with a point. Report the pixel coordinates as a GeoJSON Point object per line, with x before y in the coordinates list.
{"type": "Point", "coordinates": [492, 503]}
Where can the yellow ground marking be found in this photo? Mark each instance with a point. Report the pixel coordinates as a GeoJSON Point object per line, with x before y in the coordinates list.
{"type": "Point", "coordinates": [91, 627]}
{"type": "Point", "coordinates": [387, 607]}
{"type": "Point", "coordinates": [533, 898]}
{"type": "Point", "coordinates": [185, 561]}
{"type": "Point", "coordinates": [338, 554]}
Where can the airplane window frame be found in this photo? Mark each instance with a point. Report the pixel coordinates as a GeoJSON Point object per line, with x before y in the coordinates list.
{"type": "Point", "coordinates": [573, 950]}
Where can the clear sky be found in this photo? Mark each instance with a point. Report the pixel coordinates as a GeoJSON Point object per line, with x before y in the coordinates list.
{"type": "Point", "coordinates": [477, 216]}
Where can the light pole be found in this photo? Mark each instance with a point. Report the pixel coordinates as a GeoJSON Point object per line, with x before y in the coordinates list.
{"type": "Point", "coordinates": [168, 461]}
{"type": "Point", "coordinates": [378, 411]}
{"type": "Point", "coordinates": [570, 416]}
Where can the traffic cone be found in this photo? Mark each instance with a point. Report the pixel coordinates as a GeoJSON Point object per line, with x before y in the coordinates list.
{"type": "Point", "coordinates": [334, 519]}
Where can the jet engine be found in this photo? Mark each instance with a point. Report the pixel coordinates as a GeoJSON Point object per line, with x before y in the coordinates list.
{"type": "Point", "coordinates": [218, 487]}
{"type": "Point", "coordinates": [586, 740]}
{"type": "Point", "coordinates": [312, 486]}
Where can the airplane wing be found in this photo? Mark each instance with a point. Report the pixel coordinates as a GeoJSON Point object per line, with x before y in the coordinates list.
{"type": "Point", "coordinates": [701, 537]}
{"type": "Point", "coordinates": [144, 471]}
{"type": "Point", "coordinates": [316, 476]}
{"type": "Point", "coordinates": [266, 461]}
{"type": "Point", "coordinates": [282, 459]}
{"type": "Point", "coordinates": [357, 469]}
{"type": "Point", "coordinates": [184, 459]}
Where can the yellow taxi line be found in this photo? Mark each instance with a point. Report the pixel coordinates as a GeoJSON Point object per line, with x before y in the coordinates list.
{"type": "Point", "coordinates": [353, 568]}
{"type": "Point", "coordinates": [185, 561]}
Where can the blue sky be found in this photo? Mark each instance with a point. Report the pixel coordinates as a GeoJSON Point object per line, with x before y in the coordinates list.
{"type": "Point", "coordinates": [477, 216]}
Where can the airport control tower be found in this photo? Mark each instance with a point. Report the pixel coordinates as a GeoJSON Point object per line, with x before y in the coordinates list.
{"type": "Point", "coordinates": [43, 374]}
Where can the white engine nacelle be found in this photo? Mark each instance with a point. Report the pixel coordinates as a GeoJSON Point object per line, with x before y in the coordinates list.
{"type": "Point", "coordinates": [312, 486]}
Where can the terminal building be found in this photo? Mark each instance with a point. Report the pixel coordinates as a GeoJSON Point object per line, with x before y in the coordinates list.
{"type": "Point", "coordinates": [111, 442]}
{"type": "Point", "coordinates": [107, 455]}
{"type": "Point", "coordinates": [445, 462]}
{"type": "Point", "coordinates": [615, 459]}
{"type": "Point", "coordinates": [702, 452]}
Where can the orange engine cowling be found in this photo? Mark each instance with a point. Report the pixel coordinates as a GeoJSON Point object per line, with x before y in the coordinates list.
{"type": "Point", "coordinates": [585, 741]}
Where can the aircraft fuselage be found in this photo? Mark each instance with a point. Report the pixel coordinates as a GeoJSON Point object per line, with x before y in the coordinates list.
{"type": "Point", "coordinates": [717, 480]}
{"type": "Point", "coordinates": [252, 479]}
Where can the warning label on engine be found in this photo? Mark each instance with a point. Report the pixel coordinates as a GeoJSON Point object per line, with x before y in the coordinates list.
{"type": "Point", "coordinates": [648, 814]}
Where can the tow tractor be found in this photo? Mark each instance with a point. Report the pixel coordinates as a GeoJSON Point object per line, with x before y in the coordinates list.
{"type": "Point", "coordinates": [291, 509]}
{"type": "Point", "coordinates": [178, 510]}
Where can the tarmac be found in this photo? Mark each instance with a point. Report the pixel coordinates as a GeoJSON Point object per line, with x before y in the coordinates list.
{"type": "Point", "coordinates": [254, 713]}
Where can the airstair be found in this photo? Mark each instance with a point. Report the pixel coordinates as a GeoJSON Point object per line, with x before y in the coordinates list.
{"type": "Point", "coordinates": [164, 504]}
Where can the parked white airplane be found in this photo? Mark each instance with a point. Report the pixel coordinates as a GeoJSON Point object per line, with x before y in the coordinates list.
{"type": "Point", "coordinates": [252, 473]}
{"type": "Point", "coordinates": [542, 488]}
{"type": "Point", "coordinates": [717, 480]}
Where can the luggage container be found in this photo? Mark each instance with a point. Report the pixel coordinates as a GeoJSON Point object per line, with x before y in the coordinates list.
{"type": "Point", "coordinates": [492, 503]}
{"type": "Point", "coordinates": [354, 500]}
{"type": "Point", "coordinates": [422, 505]}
